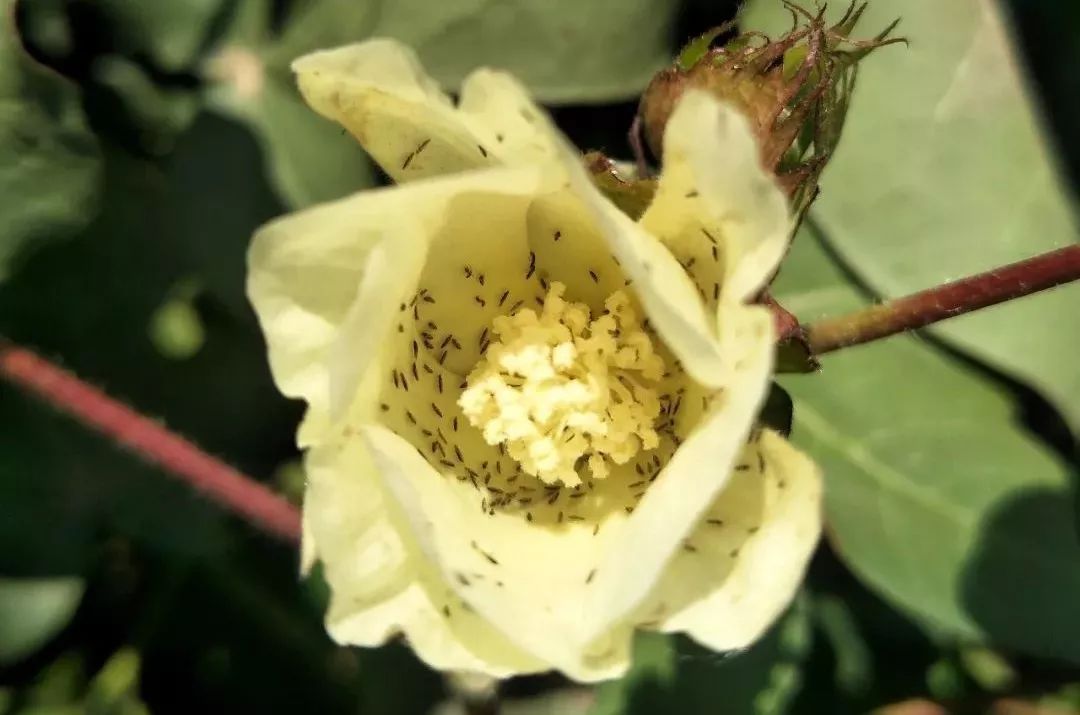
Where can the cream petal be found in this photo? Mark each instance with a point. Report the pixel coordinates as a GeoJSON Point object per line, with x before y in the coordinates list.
{"type": "Point", "coordinates": [303, 271]}
{"type": "Point", "coordinates": [326, 282]}
{"type": "Point", "coordinates": [757, 539]}
{"type": "Point", "coordinates": [713, 188]}
{"type": "Point", "coordinates": [380, 585]}
{"type": "Point", "coordinates": [439, 645]}
{"type": "Point", "coordinates": [665, 290]}
{"type": "Point", "coordinates": [379, 92]}
{"type": "Point", "coordinates": [529, 581]}
{"type": "Point", "coordinates": [362, 552]}
{"type": "Point", "coordinates": [696, 473]}
{"type": "Point", "coordinates": [499, 110]}
{"type": "Point", "coordinates": [735, 202]}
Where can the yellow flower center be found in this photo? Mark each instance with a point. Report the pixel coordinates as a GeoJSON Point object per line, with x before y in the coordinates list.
{"type": "Point", "coordinates": [560, 388]}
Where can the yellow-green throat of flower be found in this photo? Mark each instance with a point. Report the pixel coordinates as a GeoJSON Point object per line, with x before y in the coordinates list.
{"type": "Point", "coordinates": [560, 388]}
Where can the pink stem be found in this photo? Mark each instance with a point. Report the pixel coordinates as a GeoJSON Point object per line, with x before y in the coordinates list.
{"type": "Point", "coordinates": [946, 301]}
{"type": "Point", "coordinates": [149, 440]}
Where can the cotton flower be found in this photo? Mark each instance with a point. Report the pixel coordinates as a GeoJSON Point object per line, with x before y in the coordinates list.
{"type": "Point", "coordinates": [531, 420]}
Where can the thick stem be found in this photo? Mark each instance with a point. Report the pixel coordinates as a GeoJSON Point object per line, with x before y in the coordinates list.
{"type": "Point", "coordinates": [149, 440]}
{"type": "Point", "coordinates": [946, 301]}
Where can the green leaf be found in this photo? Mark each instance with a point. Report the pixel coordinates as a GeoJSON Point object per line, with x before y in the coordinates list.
{"type": "Point", "coordinates": [32, 611]}
{"type": "Point", "coordinates": [935, 496]}
{"type": "Point", "coordinates": [943, 172]}
{"type": "Point", "coordinates": [310, 159]}
{"type": "Point", "coordinates": [48, 157]}
{"type": "Point", "coordinates": [322, 24]}
{"type": "Point", "coordinates": [566, 51]}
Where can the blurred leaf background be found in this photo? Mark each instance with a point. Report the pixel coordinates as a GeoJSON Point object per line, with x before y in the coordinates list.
{"type": "Point", "coordinates": [142, 142]}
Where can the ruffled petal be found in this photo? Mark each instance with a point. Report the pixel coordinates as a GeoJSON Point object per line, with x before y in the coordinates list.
{"type": "Point", "coordinates": [303, 273]}
{"type": "Point", "coordinates": [671, 300]}
{"type": "Point", "coordinates": [379, 92]}
{"type": "Point", "coordinates": [529, 581]}
{"type": "Point", "coordinates": [713, 193]}
{"type": "Point", "coordinates": [326, 283]}
{"type": "Point", "coordinates": [500, 112]}
{"type": "Point", "coordinates": [380, 585]}
{"type": "Point", "coordinates": [694, 476]}
{"type": "Point", "coordinates": [756, 538]}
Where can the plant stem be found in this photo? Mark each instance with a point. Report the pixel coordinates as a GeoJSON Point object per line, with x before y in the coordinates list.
{"type": "Point", "coordinates": [148, 439]}
{"type": "Point", "coordinates": [946, 301]}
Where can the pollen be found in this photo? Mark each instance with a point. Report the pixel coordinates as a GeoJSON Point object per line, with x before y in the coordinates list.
{"type": "Point", "coordinates": [563, 392]}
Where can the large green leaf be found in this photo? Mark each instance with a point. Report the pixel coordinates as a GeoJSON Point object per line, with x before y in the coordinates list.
{"type": "Point", "coordinates": [943, 172]}
{"type": "Point", "coordinates": [936, 496]}
{"type": "Point", "coordinates": [48, 157]}
{"type": "Point", "coordinates": [564, 50]}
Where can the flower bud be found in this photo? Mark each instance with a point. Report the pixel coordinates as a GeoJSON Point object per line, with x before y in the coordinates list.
{"type": "Point", "coordinates": [794, 90]}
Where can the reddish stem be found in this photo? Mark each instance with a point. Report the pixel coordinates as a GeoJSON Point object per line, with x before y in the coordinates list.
{"type": "Point", "coordinates": [947, 301]}
{"type": "Point", "coordinates": [157, 445]}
